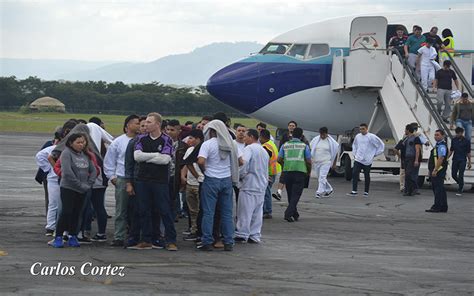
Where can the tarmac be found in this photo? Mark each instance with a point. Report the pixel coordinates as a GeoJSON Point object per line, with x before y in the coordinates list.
{"type": "Point", "coordinates": [384, 244]}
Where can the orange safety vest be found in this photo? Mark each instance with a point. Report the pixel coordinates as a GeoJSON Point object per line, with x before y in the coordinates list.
{"type": "Point", "coordinates": [274, 168]}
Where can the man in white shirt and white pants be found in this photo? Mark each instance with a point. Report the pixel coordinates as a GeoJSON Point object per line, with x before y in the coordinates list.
{"type": "Point", "coordinates": [114, 169]}
{"type": "Point", "coordinates": [323, 153]}
{"type": "Point", "coordinates": [365, 148]}
{"type": "Point", "coordinates": [427, 54]}
{"type": "Point", "coordinates": [254, 181]}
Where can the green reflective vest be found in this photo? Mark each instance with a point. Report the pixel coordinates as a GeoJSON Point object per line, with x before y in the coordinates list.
{"type": "Point", "coordinates": [449, 48]}
{"type": "Point", "coordinates": [294, 158]}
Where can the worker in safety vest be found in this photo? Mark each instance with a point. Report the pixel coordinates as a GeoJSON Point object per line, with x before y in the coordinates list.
{"type": "Point", "coordinates": [448, 42]}
{"type": "Point", "coordinates": [437, 166]}
{"type": "Point", "coordinates": [274, 168]}
{"type": "Point", "coordinates": [295, 157]}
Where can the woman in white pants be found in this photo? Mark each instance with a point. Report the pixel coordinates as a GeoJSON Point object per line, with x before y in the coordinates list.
{"type": "Point", "coordinates": [323, 153]}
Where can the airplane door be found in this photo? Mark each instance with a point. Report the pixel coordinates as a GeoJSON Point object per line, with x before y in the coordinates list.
{"type": "Point", "coordinates": [369, 32]}
{"type": "Point", "coordinates": [368, 63]}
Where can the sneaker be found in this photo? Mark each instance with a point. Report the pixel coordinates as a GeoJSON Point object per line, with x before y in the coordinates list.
{"type": "Point", "coordinates": [366, 194]}
{"type": "Point", "coordinates": [131, 243]}
{"type": "Point", "coordinates": [158, 245]}
{"type": "Point", "coordinates": [172, 247]}
{"type": "Point", "coordinates": [190, 237]}
{"type": "Point", "coordinates": [141, 246]}
{"type": "Point", "coordinates": [57, 242]}
{"type": "Point", "coordinates": [328, 194]}
{"type": "Point", "coordinates": [251, 241]}
{"type": "Point", "coordinates": [276, 196]}
{"type": "Point", "coordinates": [49, 232]}
{"type": "Point", "coordinates": [186, 232]}
{"type": "Point", "coordinates": [72, 242]}
{"type": "Point", "coordinates": [85, 240]}
{"type": "Point", "coordinates": [267, 216]}
{"type": "Point", "coordinates": [218, 244]}
{"type": "Point", "coordinates": [318, 195]}
{"type": "Point", "coordinates": [458, 193]}
{"type": "Point", "coordinates": [240, 240]}
{"type": "Point", "coordinates": [228, 247]}
{"type": "Point", "coordinates": [117, 243]}
{"type": "Point", "coordinates": [352, 193]}
{"type": "Point", "coordinates": [205, 248]}
{"type": "Point", "coordinates": [290, 219]}
{"type": "Point", "coordinates": [99, 238]}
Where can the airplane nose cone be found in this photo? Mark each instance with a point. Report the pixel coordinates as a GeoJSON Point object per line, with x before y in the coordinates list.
{"type": "Point", "coordinates": [236, 86]}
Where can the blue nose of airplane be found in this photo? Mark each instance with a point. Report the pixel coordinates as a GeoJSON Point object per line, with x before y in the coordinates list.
{"type": "Point", "coordinates": [236, 85]}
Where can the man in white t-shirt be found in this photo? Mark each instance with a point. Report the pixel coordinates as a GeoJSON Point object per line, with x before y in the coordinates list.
{"type": "Point", "coordinates": [427, 55]}
{"type": "Point", "coordinates": [254, 181]}
{"type": "Point", "coordinates": [217, 186]}
{"type": "Point", "coordinates": [323, 153]}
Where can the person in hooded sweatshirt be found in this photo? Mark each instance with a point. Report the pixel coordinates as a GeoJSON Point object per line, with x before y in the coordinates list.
{"type": "Point", "coordinates": [78, 174]}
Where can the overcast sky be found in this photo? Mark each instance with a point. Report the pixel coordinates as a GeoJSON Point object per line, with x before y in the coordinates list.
{"type": "Point", "coordinates": [139, 30]}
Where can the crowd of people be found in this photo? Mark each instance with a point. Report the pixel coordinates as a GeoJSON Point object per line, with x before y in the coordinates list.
{"type": "Point", "coordinates": [163, 171]}
{"type": "Point", "coordinates": [427, 54]}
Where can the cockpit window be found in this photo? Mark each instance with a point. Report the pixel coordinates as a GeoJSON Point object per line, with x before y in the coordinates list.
{"type": "Point", "coordinates": [298, 51]}
{"type": "Point", "coordinates": [317, 50]}
{"type": "Point", "coordinates": [275, 48]}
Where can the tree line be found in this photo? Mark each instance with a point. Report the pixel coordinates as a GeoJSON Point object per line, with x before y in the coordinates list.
{"type": "Point", "coordinates": [94, 96]}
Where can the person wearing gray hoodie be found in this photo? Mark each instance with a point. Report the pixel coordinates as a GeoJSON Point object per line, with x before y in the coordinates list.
{"type": "Point", "coordinates": [78, 174]}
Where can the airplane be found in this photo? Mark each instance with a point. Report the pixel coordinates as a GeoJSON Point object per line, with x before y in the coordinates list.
{"type": "Point", "coordinates": [292, 77]}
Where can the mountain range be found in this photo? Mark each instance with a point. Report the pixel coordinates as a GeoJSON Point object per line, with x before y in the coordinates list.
{"type": "Point", "coordinates": [193, 68]}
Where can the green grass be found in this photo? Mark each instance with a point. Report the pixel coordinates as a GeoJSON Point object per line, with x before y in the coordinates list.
{"type": "Point", "coordinates": [47, 122]}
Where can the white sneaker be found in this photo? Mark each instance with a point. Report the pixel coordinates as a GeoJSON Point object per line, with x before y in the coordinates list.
{"type": "Point", "coordinates": [366, 194]}
{"type": "Point", "coordinates": [352, 193]}
{"type": "Point", "coordinates": [318, 195]}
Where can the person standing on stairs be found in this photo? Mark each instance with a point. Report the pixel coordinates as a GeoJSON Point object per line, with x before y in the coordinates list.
{"type": "Point", "coordinates": [443, 83]}
{"type": "Point", "coordinates": [426, 63]}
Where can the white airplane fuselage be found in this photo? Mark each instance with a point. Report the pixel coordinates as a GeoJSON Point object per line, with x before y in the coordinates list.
{"type": "Point", "coordinates": [279, 87]}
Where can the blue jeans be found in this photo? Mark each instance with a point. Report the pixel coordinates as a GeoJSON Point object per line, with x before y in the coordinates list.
{"type": "Point", "coordinates": [217, 191]}
{"type": "Point", "coordinates": [467, 126]}
{"type": "Point", "coordinates": [267, 204]}
{"type": "Point", "coordinates": [155, 195]}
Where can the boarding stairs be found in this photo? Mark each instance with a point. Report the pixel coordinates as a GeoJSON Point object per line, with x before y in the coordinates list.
{"type": "Point", "coordinates": [371, 67]}
{"type": "Point", "coordinates": [403, 101]}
